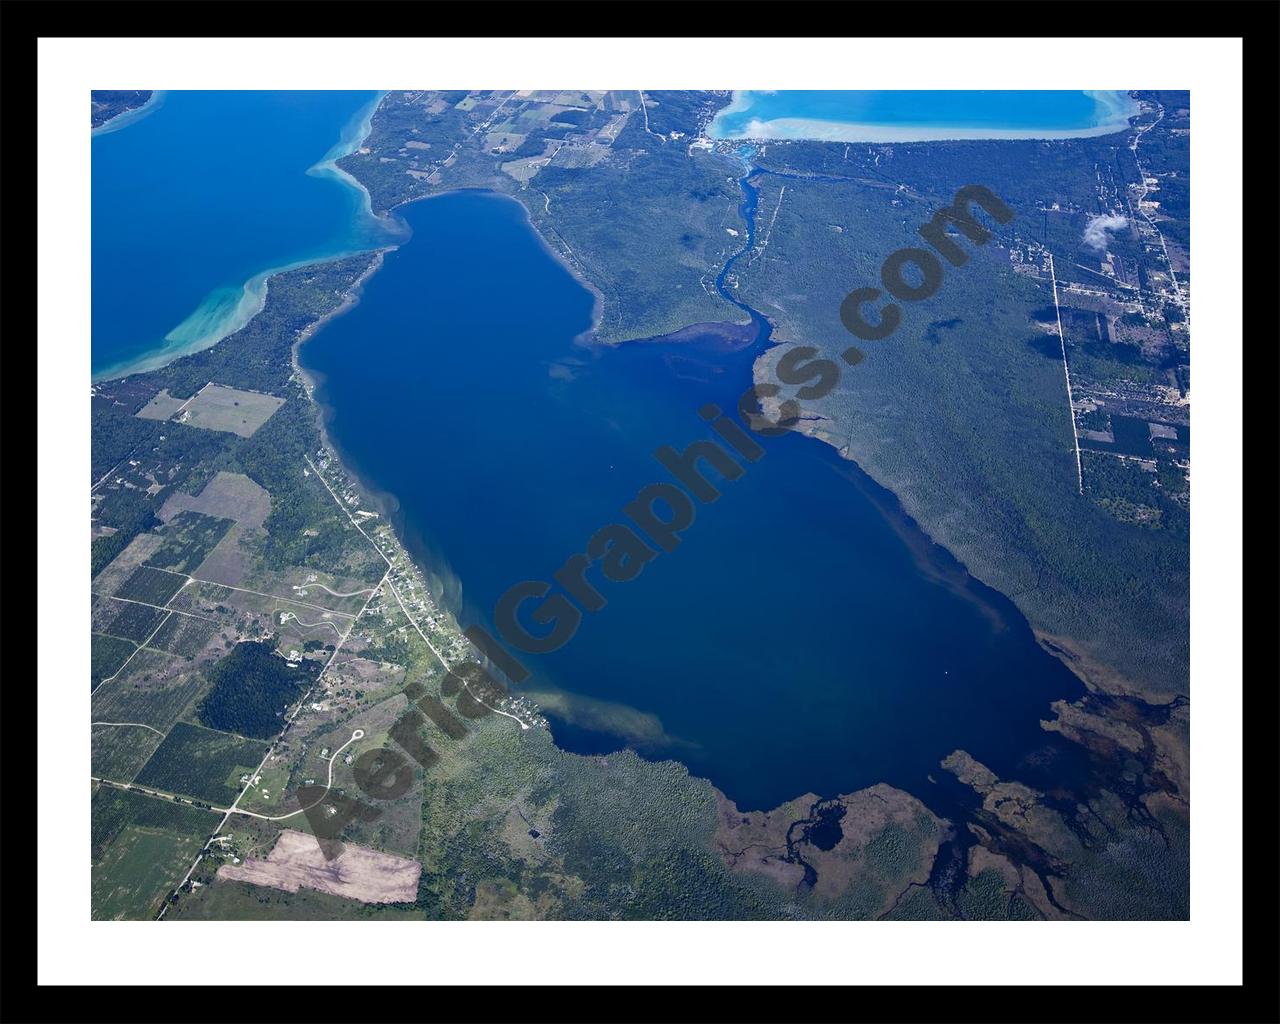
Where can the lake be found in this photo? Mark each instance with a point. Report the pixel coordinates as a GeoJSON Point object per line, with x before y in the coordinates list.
{"type": "Point", "coordinates": [916, 115]}
{"type": "Point", "coordinates": [804, 636]}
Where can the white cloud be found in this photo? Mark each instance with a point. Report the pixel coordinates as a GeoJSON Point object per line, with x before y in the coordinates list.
{"type": "Point", "coordinates": [1097, 231]}
{"type": "Point", "coordinates": [757, 129]}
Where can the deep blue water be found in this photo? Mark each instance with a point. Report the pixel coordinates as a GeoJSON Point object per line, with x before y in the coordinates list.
{"type": "Point", "coordinates": [804, 636]}
{"type": "Point", "coordinates": [1061, 110]}
{"type": "Point", "coordinates": [202, 194]}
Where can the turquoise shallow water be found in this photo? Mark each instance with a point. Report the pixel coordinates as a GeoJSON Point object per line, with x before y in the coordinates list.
{"type": "Point", "coordinates": [871, 116]}
{"type": "Point", "coordinates": [200, 198]}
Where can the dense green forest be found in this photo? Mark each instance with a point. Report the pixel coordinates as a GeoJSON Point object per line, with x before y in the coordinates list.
{"type": "Point", "coordinates": [252, 687]}
{"type": "Point", "coordinates": [971, 426]}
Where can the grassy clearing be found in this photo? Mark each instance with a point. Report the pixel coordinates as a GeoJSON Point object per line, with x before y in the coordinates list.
{"type": "Point", "coordinates": [226, 496]}
{"type": "Point", "coordinates": [229, 409]}
{"type": "Point", "coordinates": [152, 690]}
{"type": "Point", "coordinates": [161, 407]}
{"type": "Point", "coordinates": [187, 540]}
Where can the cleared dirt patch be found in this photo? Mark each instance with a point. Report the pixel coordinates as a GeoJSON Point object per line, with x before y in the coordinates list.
{"type": "Point", "coordinates": [356, 873]}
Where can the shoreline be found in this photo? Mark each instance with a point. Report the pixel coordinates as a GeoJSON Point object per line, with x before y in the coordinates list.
{"type": "Point", "coordinates": [385, 503]}
{"type": "Point", "coordinates": [591, 335]}
{"type": "Point", "coordinates": [794, 129]}
{"type": "Point", "coordinates": [799, 129]}
{"type": "Point", "coordinates": [350, 299]}
{"type": "Point", "coordinates": [1094, 675]}
{"type": "Point", "coordinates": [584, 338]}
{"type": "Point", "coordinates": [131, 116]}
{"type": "Point", "coordinates": [253, 299]}
{"type": "Point", "coordinates": [254, 291]}
{"type": "Point", "coordinates": [312, 382]}
{"type": "Point", "coordinates": [350, 139]}
{"type": "Point", "coordinates": [803, 129]}
{"type": "Point", "coordinates": [388, 504]}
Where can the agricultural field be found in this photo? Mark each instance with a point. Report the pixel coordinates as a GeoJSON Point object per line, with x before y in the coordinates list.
{"type": "Point", "coordinates": [107, 656]}
{"type": "Point", "coordinates": [126, 620]}
{"type": "Point", "coordinates": [120, 750]}
{"type": "Point", "coordinates": [227, 900]}
{"type": "Point", "coordinates": [158, 699]}
{"type": "Point", "coordinates": [140, 848]}
{"type": "Point", "coordinates": [151, 586]}
{"type": "Point", "coordinates": [184, 635]}
{"type": "Point", "coordinates": [201, 763]}
{"type": "Point", "coordinates": [154, 688]}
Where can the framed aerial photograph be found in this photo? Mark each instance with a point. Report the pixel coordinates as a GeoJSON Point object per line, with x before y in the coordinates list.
{"type": "Point", "coordinates": [728, 492]}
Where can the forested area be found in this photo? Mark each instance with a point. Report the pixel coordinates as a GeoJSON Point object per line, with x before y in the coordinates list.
{"type": "Point", "coordinates": [252, 687]}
